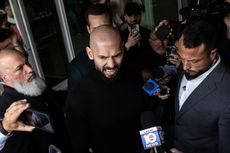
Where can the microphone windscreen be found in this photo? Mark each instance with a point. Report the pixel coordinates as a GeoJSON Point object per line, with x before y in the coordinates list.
{"type": "Point", "coordinates": [148, 120]}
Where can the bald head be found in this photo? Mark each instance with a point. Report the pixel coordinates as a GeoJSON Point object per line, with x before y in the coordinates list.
{"type": "Point", "coordinates": [14, 67]}
{"type": "Point", "coordinates": [106, 49]}
{"type": "Point", "coordinates": [104, 33]}
{"type": "Point", "coordinates": [6, 56]}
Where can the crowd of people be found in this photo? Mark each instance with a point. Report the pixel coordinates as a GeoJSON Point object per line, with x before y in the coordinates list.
{"type": "Point", "coordinates": [105, 100]}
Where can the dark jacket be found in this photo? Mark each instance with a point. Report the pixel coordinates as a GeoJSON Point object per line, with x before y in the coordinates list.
{"type": "Point", "coordinates": [203, 123]}
{"type": "Point", "coordinates": [36, 141]}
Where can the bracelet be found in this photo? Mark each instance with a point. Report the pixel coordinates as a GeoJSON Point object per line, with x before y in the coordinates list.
{"type": "Point", "coordinates": [2, 130]}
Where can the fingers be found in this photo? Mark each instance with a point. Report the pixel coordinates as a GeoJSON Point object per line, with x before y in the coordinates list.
{"type": "Point", "coordinates": [132, 40]}
{"type": "Point", "coordinates": [174, 59]}
{"type": "Point", "coordinates": [15, 109]}
{"type": "Point", "coordinates": [163, 22]}
{"type": "Point", "coordinates": [165, 95]}
{"type": "Point", "coordinates": [23, 127]}
{"type": "Point", "coordinates": [10, 121]}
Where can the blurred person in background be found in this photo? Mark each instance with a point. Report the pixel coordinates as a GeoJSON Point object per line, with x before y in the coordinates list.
{"type": "Point", "coordinates": [96, 15]}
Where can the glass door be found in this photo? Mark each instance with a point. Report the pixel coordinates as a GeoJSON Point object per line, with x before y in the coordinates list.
{"type": "Point", "coordinates": [41, 31]}
{"type": "Point", "coordinates": [75, 13]}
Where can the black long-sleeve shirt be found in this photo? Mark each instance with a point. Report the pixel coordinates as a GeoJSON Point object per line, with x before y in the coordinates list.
{"type": "Point", "coordinates": [105, 116]}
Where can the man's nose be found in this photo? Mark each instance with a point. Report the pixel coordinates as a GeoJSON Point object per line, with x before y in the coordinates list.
{"type": "Point", "coordinates": [133, 18]}
{"type": "Point", "coordinates": [186, 65]}
{"type": "Point", "coordinates": [110, 63]}
{"type": "Point", "coordinates": [28, 68]}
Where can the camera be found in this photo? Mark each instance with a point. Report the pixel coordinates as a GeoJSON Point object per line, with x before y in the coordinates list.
{"type": "Point", "coordinates": [135, 29]}
{"type": "Point", "coordinates": [38, 119]}
{"type": "Point", "coordinates": [163, 32]}
{"type": "Point", "coordinates": [203, 9]}
{"type": "Point", "coordinates": [169, 51]}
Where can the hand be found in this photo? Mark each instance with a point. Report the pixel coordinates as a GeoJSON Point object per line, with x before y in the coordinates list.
{"type": "Point", "coordinates": [10, 121]}
{"type": "Point", "coordinates": [163, 22]}
{"type": "Point", "coordinates": [156, 44]}
{"type": "Point", "coordinates": [133, 39]}
{"type": "Point", "coordinates": [146, 74]}
{"type": "Point", "coordinates": [165, 95]}
{"type": "Point", "coordinates": [174, 59]}
{"type": "Point", "coordinates": [174, 150]}
{"type": "Point", "coordinates": [159, 46]}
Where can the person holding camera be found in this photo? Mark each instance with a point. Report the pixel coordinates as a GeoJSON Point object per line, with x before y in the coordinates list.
{"type": "Point", "coordinates": [40, 105]}
{"type": "Point", "coordinates": [135, 37]}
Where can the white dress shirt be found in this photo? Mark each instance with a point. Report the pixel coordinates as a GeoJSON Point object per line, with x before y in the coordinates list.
{"type": "Point", "coordinates": [188, 86]}
{"type": "Point", "coordinates": [3, 139]}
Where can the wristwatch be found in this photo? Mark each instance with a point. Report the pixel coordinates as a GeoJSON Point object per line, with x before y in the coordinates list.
{"type": "Point", "coordinates": [2, 130]}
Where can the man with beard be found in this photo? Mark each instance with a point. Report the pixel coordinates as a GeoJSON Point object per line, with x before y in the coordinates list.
{"type": "Point", "coordinates": [136, 41]}
{"type": "Point", "coordinates": [31, 117]}
{"type": "Point", "coordinates": [103, 111]}
{"type": "Point", "coordinates": [96, 15]}
{"type": "Point", "coordinates": [203, 101]}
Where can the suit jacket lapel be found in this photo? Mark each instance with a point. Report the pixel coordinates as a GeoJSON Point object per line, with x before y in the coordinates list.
{"type": "Point", "coordinates": [180, 75]}
{"type": "Point", "coordinates": [204, 89]}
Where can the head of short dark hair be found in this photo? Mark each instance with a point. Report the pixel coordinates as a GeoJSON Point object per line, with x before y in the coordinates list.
{"type": "Point", "coordinates": [227, 8]}
{"type": "Point", "coordinates": [96, 9]}
{"type": "Point", "coordinates": [132, 8]}
{"type": "Point", "coordinates": [200, 32]}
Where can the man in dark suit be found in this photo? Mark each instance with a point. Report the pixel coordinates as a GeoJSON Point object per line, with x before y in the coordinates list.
{"type": "Point", "coordinates": [202, 121]}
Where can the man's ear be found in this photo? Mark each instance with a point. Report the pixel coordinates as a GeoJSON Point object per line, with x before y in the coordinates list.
{"type": "Point", "coordinates": [88, 29]}
{"type": "Point", "coordinates": [125, 17]}
{"type": "Point", "coordinates": [4, 77]}
{"type": "Point", "coordinates": [213, 53]}
{"type": "Point", "coordinates": [89, 52]}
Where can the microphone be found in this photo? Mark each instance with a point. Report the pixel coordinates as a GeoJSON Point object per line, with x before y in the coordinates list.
{"type": "Point", "coordinates": [184, 88]}
{"type": "Point", "coordinates": [152, 136]}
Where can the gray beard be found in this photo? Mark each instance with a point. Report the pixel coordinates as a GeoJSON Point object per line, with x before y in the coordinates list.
{"type": "Point", "coordinates": [33, 88]}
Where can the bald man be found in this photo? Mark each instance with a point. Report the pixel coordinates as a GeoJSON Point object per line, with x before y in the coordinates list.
{"type": "Point", "coordinates": [96, 15]}
{"type": "Point", "coordinates": [103, 111]}
{"type": "Point", "coordinates": [31, 118]}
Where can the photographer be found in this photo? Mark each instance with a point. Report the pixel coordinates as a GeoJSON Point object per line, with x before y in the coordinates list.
{"type": "Point", "coordinates": [163, 41]}
{"type": "Point", "coordinates": [136, 38]}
